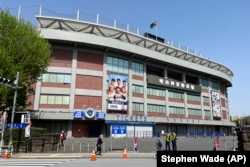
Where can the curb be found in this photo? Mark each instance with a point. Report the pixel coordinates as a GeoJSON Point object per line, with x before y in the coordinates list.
{"type": "Point", "coordinates": [79, 155]}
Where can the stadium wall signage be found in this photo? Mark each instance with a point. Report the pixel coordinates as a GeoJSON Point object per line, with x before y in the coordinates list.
{"type": "Point", "coordinates": [155, 80]}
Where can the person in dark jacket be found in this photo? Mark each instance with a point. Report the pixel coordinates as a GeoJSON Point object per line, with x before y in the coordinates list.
{"type": "Point", "coordinates": [99, 145]}
{"type": "Point", "coordinates": [158, 145]}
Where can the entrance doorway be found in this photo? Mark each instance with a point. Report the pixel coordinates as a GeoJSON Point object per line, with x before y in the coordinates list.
{"type": "Point", "coordinates": [87, 128]}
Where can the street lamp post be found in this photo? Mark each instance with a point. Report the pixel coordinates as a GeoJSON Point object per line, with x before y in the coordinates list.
{"type": "Point", "coordinates": [13, 110]}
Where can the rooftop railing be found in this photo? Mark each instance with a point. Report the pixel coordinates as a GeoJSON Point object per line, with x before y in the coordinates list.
{"type": "Point", "coordinates": [28, 13]}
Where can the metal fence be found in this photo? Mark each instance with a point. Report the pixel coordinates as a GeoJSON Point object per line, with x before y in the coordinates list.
{"type": "Point", "coordinates": [28, 13]}
{"type": "Point", "coordinates": [85, 145]}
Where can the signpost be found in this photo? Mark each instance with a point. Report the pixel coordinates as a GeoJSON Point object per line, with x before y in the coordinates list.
{"type": "Point", "coordinates": [13, 110]}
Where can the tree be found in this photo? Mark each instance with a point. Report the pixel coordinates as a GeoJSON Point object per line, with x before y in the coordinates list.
{"type": "Point", "coordinates": [22, 49]}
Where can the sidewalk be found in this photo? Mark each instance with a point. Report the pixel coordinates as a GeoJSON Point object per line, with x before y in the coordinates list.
{"type": "Point", "coordinates": [81, 155]}
{"type": "Point", "coordinates": [146, 148]}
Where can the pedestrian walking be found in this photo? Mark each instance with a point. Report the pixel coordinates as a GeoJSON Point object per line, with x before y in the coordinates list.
{"type": "Point", "coordinates": [99, 145]}
{"type": "Point", "coordinates": [167, 141]}
{"type": "Point", "coordinates": [174, 141]}
{"type": "Point", "coordinates": [158, 144]}
{"type": "Point", "coordinates": [62, 138]}
{"type": "Point", "coordinates": [217, 143]}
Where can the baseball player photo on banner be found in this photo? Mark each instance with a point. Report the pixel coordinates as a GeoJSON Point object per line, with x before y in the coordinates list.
{"type": "Point", "coordinates": [216, 107]}
{"type": "Point", "coordinates": [118, 92]}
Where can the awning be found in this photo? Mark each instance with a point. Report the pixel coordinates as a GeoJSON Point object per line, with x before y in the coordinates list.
{"type": "Point", "coordinates": [130, 123]}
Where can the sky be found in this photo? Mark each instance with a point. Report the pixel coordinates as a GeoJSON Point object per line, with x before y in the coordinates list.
{"type": "Point", "coordinates": [216, 29]}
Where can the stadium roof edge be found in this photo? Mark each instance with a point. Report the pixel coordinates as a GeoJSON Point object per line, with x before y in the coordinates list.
{"type": "Point", "coordinates": [169, 49]}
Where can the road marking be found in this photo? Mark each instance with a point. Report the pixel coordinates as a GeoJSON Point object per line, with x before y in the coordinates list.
{"type": "Point", "coordinates": [31, 162]}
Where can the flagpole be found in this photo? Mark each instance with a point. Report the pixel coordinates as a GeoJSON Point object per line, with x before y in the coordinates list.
{"type": "Point", "coordinates": [156, 31]}
{"type": "Point", "coordinates": [156, 22]}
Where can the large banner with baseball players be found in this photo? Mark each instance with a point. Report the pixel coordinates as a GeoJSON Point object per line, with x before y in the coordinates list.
{"type": "Point", "coordinates": [118, 92]}
{"type": "Point", "coordinates": [216, 106]}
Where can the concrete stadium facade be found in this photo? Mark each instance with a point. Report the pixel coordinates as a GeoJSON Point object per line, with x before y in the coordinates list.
{"type": "Point", "coordinates": [167, 89]}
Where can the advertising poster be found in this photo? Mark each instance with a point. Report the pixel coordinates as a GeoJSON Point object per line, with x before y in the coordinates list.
{"type": "Point", "coordinates": [216, 107]}
{"type": "Point", "coordinates": [117, 92]}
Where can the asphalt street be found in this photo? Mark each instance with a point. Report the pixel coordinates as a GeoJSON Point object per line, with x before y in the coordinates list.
{"type": "Point", "coordinates": [105, 162]}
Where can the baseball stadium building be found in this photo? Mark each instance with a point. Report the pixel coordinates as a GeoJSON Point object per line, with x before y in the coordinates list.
{"type": "Point", "coordinates": [103, 79]}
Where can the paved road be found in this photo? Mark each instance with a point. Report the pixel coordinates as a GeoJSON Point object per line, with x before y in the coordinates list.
{"type": "Point", "coordinates": [105, 162]}
{"type": "Point", "coordinates": [33, 162]}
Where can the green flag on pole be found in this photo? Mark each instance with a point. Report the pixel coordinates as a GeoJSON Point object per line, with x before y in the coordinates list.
{"type": "Point", "coordinates": [154, 24]}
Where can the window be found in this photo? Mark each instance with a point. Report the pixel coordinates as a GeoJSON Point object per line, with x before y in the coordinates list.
{"type": "Point", "coordinates": [176, 110]}
{"type": "Point", "coordinates": [193, 98]}
{"type": "Point", "coordinates": [207, 113]}
{"type": "Point", "coordinates": [117, 65]}
{"type": "Point", "coordinates": [156, 92]}
{"type": "Point", "coordinates": [137, 89]}
{"type": "Point", "coordinates": [214, 85]}
{"type": "Point", "coordinates": [57, 78]}
{"type": "Point", "coordinates": [137, 107]}
{"type": "Point", "coordinates": [206, 99]}
{"type": "Point", "coordinates": [43, 99]}
{"type": "Point", "coordinates": [204, 82]}
{"type": "Point", "coordinates": [137, 69]}
{"type": "Point", "coordinates": [54, 99]}
{"type": "Point", "coordinates": [175, 95]}
{"type": "Point", "coordinates": [195, 112]}
{"type": "Point", "coordinates": [156, 108]}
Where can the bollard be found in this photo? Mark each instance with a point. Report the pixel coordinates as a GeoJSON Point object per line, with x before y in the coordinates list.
{"type": "Point", "coordinates": [103, 147]}
{"type": "Point", "coordinates": [72, 145]}
{"type": "Point", "coordinates": [80, 147]}
{"type": "Point", "coordinates": [214, 147]}
{"type": "Point", "coordinates": [233, 146]}
{"type": "Point", "coordinates": [225, 145]}
{"type": "Point", "coordinates": [57, 149]}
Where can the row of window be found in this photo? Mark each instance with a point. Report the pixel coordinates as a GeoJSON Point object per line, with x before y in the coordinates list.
{"type": "Point", "coordinates": [65, 78]}
{"type": "Point", "coordinates": [57, 78]}
{"type": "Point", "coordinates": [171, 94]}
{"type": "Point", "coordinates": [195, 112]}
{"type": "Point", "coordinates": [54, 99]}
{"type": "Point", "coordinates": [120, 66]}
{"type": "Point", "coordinates": [57, 99]}
{"type": "Point", "coordinates": [172, 110]}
